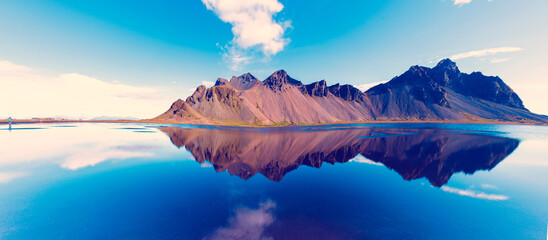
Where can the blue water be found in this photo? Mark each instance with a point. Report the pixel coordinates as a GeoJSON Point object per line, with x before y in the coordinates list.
{"type": "Point", "coordinates": [368, 181]}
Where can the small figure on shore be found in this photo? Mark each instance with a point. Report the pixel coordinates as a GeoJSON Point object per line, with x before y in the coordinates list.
{"type": "Point", "coordinates": [9, 122]}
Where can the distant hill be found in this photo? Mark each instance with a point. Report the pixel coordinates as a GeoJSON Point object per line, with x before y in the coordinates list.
{"type": "Point", "coordinates": [442, 93]}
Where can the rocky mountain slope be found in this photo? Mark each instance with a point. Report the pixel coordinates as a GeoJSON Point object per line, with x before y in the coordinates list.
{"type": "Point", "coordinates": [444, 93]}
{"type": "Point", "coordinates": [420, 94]}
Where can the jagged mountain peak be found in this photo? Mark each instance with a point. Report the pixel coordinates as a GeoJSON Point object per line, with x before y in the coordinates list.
{"type": "Point", "coordinates": [201, 88]}
{"type": "Point", "coordinates": [318, 89]}
{"type": "Point", "coordinates": [417, 70]}
{"type": "Point", "coordinates": [445, 72]}
{"type": "Point", "coordinates": [279, 78]}
{"type": "Point", "coordinates": [248, 75]}
{"type": "Point", "coordinates": [221, 81]}
{"type": "Point", "coordinates": [244, 81]}
{"type": "Point", "coordinates": [280, 75]}
{"type": "Point", "coordinates": [280, 72]}
{"type": "Point", "coordinates": [446, 64]}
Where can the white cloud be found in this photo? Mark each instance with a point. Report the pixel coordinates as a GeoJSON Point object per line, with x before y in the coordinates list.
{"type": "Point", "coordinates": [247, 223]}
{"type": "Point", "coordinates": [485, 52]}
{"type": "Point", "coordinates": [474, 194]}
{"type": "Point", "coordinates": [367, 86]}
{"type": "Point", "coordinates": [27, 93]}
{"type": "Point", "coordinates": [90, 156]}
{"type": "Point", "coordinates": [253, 26]}
{"type": "Point", "coordinates": [461, 2]}
{"type": "Point", "coordinates": [499, 60]}
{"type": "Point", "coordinates": [208, 83]}
{"type": "Point", "coordinates": [236, 57]}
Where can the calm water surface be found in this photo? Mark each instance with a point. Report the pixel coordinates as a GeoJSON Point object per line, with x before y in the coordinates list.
{"type": "Point", "coordinates": [370, 181]}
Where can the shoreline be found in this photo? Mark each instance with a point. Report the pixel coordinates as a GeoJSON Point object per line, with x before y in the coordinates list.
{"type": "Point", "coordinates": [277, 125]}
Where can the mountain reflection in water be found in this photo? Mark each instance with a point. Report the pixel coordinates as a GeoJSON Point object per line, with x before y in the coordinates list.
{"type": "Point", "coordinates": [435, 154]}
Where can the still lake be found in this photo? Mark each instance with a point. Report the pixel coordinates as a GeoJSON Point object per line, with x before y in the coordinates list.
{"type": "Point", "coordinates": [360, 181]}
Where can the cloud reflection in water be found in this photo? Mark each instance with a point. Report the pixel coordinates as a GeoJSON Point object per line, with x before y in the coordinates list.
{"type": "Point", "coordinates": [247, 224]}
{"type": "Point", "coordinates": [474, 194]}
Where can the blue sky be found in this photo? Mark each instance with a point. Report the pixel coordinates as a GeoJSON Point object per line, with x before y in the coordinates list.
{"type": "Point", "coordinates": [153, 52]}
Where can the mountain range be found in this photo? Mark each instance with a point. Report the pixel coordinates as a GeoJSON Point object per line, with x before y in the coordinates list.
{"type": "Point", "coordinates": [441, 93]}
